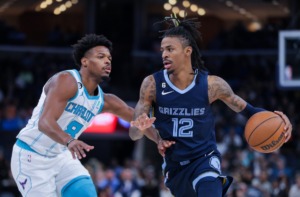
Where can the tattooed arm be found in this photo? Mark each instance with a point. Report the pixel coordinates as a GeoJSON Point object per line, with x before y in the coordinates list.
{"type": "Point", "coordinates": [147, 96]}
{"type": "Point", "coordinates": [218, 88]}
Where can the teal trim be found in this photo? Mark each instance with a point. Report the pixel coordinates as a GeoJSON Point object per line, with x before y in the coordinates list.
{"type": "Point", "coordinates": [25, 146]}
{"type": "Point", "coordinates": [85, 90]}
{"type": "Point", "coordinates": [76, 73]}
{"type": "Point", "coordinates": [80, 179]}
{"type": "Point", "coordinates": [89, 96]}
{"type": "Point", "coordinates": [102, 97]}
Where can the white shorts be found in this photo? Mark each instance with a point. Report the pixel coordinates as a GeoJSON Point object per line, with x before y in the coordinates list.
{"type": "Point", "coordinates": [39, 176]}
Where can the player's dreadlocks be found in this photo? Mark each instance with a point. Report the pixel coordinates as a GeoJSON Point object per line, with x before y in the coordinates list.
{"type": "Point", "coordinates": [87, 42]}
{"type": "Point", "coordinates": [186, 29]}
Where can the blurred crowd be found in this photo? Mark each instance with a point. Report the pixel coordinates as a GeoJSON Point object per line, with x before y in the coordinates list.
{"type": "Point", "coordinates": [253, 77]}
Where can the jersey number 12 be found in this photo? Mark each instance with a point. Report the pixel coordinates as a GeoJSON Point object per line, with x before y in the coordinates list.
{"type": "Point", "coordinates": [182, 127]}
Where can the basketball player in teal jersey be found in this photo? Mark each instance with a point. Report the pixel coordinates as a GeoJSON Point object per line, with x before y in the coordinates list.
{"type": "Point", "coordinates": [45, 157]}
{"type": "Point", "coordinates": [181, 95]}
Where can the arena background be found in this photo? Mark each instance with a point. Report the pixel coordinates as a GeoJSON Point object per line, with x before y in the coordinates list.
{"type": "Point", "coordinates": [240, 44]}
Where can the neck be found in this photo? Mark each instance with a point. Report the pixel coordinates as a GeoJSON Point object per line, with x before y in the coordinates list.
{"type": "Point", "coordinates": [182, 79]}
{"type": "Point", "coordinates": [88, 82]}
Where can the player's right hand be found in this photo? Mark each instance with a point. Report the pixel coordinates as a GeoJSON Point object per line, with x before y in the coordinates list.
{"type": "Point", "coordinates": [162, 146]}
{"type": "Point", "coordinates": [142, 122]}
{"type": "Point", "coordinates": [78, 149]}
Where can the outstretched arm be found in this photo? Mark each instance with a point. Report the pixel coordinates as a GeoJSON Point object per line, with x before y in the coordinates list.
{"type": "Point", "coordinates": [115, 105]}
{"type": "Point", "coordinates": [220, 89]}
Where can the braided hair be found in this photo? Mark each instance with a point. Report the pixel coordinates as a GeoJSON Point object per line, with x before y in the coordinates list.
{"type": "Point", "coordinates": [187, 31]}
{"type": "Point", "coordinates": [86, 43]}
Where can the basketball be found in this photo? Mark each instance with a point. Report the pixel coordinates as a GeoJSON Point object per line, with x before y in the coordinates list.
{"type": "Point", "coordinates": [264, 132]}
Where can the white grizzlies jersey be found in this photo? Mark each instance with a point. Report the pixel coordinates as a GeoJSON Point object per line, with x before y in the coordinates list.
{"type": "Point", "coordinates": [78, 113]}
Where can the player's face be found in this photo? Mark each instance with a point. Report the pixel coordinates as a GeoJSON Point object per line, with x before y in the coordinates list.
{"type": "Point", "coordinates": [99, 61]}
{"type": "Point", "coordinates": [172, 53]}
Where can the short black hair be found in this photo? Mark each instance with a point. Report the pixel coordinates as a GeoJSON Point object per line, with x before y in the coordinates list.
{"type": "Point", "coordinates": [187, 31]}
{"type": "Point", "coordinates": [86, 43]}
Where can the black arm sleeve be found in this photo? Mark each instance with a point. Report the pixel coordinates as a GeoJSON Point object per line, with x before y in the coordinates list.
{"type": "Point", "coordinates": [250, 110]}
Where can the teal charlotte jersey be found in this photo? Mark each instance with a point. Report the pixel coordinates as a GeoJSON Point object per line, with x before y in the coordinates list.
{"type": "Point", "coordinates": [184, 116]}
{"type": "Point", "coordinates": [76, 117]}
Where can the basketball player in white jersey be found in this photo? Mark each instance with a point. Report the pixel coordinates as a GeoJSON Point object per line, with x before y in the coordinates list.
{"type": "Point", "coordinates": [45, 156]}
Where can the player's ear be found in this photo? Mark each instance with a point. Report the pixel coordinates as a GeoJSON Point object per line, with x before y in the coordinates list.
{"type": "Point", "coordinates": [84, 61]}
{"type": "Point", "coordinates": [188, 50]}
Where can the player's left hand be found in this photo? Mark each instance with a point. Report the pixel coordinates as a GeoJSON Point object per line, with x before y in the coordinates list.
{"type": "Point", "coordinates": [162, 146]}
{"type": "Point", "coordinates": [288, 126]}
{"type": "Point", "coordinates": [78, 148]}
{"type": "Point", "coordinates": [142, 122]}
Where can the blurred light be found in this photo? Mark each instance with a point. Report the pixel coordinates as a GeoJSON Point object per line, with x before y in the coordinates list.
{"type": "Point", "coordinates": [103, 123]}
{"type": "Point", "coordinates": [68, 4]}
{"type": "Point", "coordinates": [62, 8]}
{"type": "Point", "coordinates": [201, 12]}
{"type": "Point", "coordinates": [186, 4]}
{"type": "Point", "coordinates": [167, 6]}
{"type": "Point", "coordinates": [74, 1]}
{"type": "Point", "coordinates": [254, 26]}
{"type": "Point", "coordinates": [172, 2]}
{"type": "Point", "coordinates": [182, 13]}
{"type": "Point", "coordinates": [56, 11]}
{"type": "Point", "coordinates": [194, 8]}
{"type": "Point", "coordinates": [59, 0]}
{"type": "Point", "coordinates": [49, 2]}
{"type": "Point", "coordinates": [43, 5]}
{"type": "Point", "coordinates": [175, 10]}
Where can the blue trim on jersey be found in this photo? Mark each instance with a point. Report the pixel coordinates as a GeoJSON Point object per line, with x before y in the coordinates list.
{"type": "Point", "coordinates": [177, 89]}
{"type": "Point", "coordinates": [25, 146]}
{"type": "Point", "coordinates": [70, 71]}
{"type": "Point", "coordinates": [85, 90]}
{"type": "Point", "coordinates": [89, 96]}
{"type": "Point", "coordinates": [102, 98]}
{"type": "Point", "coordinates": [72, 181]}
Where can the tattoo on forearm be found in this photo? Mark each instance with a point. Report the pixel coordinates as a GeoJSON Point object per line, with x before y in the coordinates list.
{"type": "Point", "coordinates": [236, 102]}
{"type": "Point", "coordinates": [147, 95]}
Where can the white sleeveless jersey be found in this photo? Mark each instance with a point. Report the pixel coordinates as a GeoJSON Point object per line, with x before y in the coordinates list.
{"type": "Point", "coordinates": [78, 113]}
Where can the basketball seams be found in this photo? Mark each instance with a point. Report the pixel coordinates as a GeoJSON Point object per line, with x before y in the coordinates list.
{"type": "Point", "coordinates": [248, 140]}
{"type": "Point", "coordinates": [279, 144]}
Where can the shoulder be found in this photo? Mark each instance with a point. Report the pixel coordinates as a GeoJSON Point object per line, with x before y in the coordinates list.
{"type": "Point", "coordinates": [62, 81]}
{"type": "Point", "coordinates": [149, 81]}
{"type": "Point", "coordinates": [213, 79]}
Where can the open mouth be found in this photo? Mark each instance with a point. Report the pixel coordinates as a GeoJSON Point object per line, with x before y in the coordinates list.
{"type": "Point", "coordinates": [167, 64]}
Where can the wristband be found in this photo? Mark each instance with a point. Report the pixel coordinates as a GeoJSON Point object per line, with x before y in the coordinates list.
{"type": "Point", "coordinates": [250, 110]}
{"type": "Point", "coordinates": [71, 140]}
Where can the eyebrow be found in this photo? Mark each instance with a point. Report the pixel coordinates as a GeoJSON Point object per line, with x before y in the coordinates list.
{"type": "Point", "coordinates": [168, 46]}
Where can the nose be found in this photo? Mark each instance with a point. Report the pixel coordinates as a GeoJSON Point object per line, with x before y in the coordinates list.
{"type": "Point", "coordinates": [164, 54]}
{"type": "Point", "coordinates": [107, 61]}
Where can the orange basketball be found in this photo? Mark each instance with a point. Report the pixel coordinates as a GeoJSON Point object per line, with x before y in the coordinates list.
{"type": "Point", "coordinates": [264, 132]}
